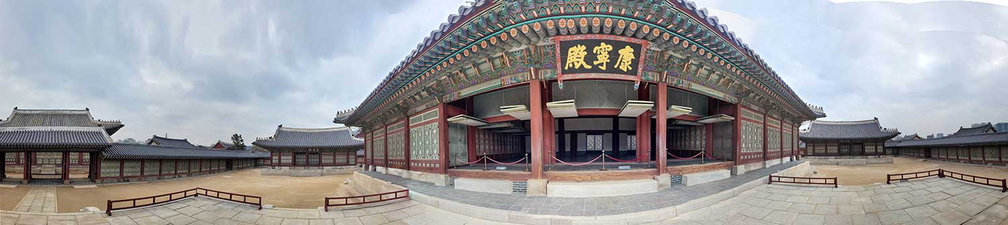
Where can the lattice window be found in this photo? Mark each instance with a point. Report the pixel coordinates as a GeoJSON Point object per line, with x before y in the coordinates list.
{"type": "Point", "coordinates": [424, 142]}
{"type": "Point", "coordinates": [631, 141]}
{"type": "Point", "coordinates": [594, 142]}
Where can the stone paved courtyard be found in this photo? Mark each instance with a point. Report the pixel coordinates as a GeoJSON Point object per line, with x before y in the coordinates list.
{"type": "Point", "coordinates": [202, 210]}
{"type": "Point", "coordinates": [928, 201]}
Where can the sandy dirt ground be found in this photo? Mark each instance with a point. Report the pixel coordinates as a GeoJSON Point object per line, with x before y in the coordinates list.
{"type": "Point", "coordinates": [280, 191]}
{"type": "Point", "coordinates": [876, 173]}
{"type": "Point", "coordinates": [9, 197]}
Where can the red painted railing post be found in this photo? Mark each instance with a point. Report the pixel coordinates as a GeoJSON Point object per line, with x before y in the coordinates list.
{"type": "Point", "coordinates": [769, 179]}
{"type": "Point", "coordinates": [108, 208]}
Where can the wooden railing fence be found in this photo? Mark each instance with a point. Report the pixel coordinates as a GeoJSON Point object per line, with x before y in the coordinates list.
{"type": "Point", "coordinates": [803, 180]}
{"type": "Point", "coordinates": [365, 199]}
{"type": "Point", "coordinates": [169, 197]}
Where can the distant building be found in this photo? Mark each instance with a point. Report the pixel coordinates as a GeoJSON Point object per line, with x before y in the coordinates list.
{"type": "Point", "coordinates": [222, 145]}
{"type": "Point", "coordinates": [1001, 127]}
{"type": "Point", "coordinates": [311, 147]}
{"type": "Point", "coordinates": [930, 136]}
{"type": "Point", "coordinates": [978, 145]}
{"type": "Point", "coordinates": [170, 142]}
{"type": "Point", "coordinates": [939, 135]}
{"type": "Point", "coordinates": [846, 138]}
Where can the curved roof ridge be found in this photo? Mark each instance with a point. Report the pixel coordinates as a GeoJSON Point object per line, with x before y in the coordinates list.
{"type": "Point", "coordinates": [177, 139]}
{"type": "Point", "coordinates": [322, 129]}
{"type": "Point", "coordinates": [846, 122]}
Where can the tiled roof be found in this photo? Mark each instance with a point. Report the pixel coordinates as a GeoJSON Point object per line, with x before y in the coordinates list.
{"type": "Point", "coordinates": [171, 142]}
{"type": "Point", "coordinates": [227, 145]}
{"type": "Point", "coordinates": [955, 140]}
{"type": "Point", "coordinates": [58, 118]}
{"type": "Point", "coordinates": [54, 137]}
{"type": "Point", "coordinates": [974, 130]}
{"type": "Point", "coordinates": [847, 130]}
{"type": "Point", "coordinates": [338, 137]}
{"type": "Point", "coordinates": [142, 151]}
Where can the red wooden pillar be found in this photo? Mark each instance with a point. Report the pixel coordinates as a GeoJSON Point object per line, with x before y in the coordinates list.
{"type": "Point", "coordinates": [737, 133]}
{"type": "Point", "coordinates": [536, 123]}
{"type": "Point", "coordinates": [709, 143]}
{"type": "Point", "coordinates": [142, 168]}
{"type": "Point", "coordinates": [442, 121]}
{"type": "Point", "coordinates": [175, 167]}
{"type": "Point", "coordinates": [643, 133]}
{"type": "Point", "coordinates": [27, 167]}
{"type": "Point", "coordinates": [470, 132]}
{"type": "Point", "coordinates": [406, 143]}
{"type": "Point", "coordinates": [661, 127]}
{"type": "Point", "coordinates": [95, 159]}
{"type": "Point", "coordinates": [386, 145]}
{"type": "Point", "coordinates": [549, 125]}
{"type": "Point", "coordinates": [122, 165]}
{"type": "Point", "coordinates": [65, 175]}
{"type": "Point", "coordinates": [766, 130]}
{"type": "Point", "coordinates": [983, 155]}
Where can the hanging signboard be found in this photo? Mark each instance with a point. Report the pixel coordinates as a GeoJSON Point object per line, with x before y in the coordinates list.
{"type": "Point", "coordinates": [599, 54]}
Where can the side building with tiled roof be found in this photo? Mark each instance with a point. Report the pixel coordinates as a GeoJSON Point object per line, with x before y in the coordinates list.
{"type": "Point", "coordinates": [977, 145]}
{"type": "Point", "coordinates": [311, 147]}
{"type": "Point", "coordinates": [49, 145]}
{"type": "Point", "coordinates": [170, 142]}
{"type": "Point", "coordinates": [846, 138]}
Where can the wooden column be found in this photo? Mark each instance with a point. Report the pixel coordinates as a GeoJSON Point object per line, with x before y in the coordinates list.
{"type": "Point", "coordinates": [766, 130]}
{"type": "Point", "coordinates": [709, 144]}
{"type": "Point", "coordinates": [160, 168]}
{"type": "Point", "coordinates": [122, 165]}
{"type": "Point", "coordinates": [27, 167]}
{"type": "Point", "coordinates": [561, 137]}
{"type": "Point", "coordinates": [142, 168]}
{"type": "Point", "coordinates": [406, 143]}
{"type": "Point", "coordinates": [65, 167]}
{"type": "Point", "coordinates": [643, 128]}
{"type": "Point", "coordinates": [443, 139]}
{"type": "Point", "coordinates": [615, 137]}
{"type": "Point", "coordinates": [661, 127]}
{"type": "Point", "coordinates": [536, 123]}
{"type": "Point", "coordinates": [96, 159]}
{"type": "Point", "coordinates": [385, 146]}
{"type": "Point", "coordinates": [737, 133]}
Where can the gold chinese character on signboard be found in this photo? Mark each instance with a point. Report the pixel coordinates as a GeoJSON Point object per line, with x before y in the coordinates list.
{"type": "Point", "coordinates": [626, 57]}
{"type": "Point", "coordinates": [575, 57]}
{"type": "Point", "coordinates": [603, 55]}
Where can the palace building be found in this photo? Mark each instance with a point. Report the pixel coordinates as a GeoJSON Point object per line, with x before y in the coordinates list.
{"type": "Point", "coordinates": [311, 147]}
{"type": "Point", "coordinates": [829, 142]}
{"type": "Point", "coordinates": [70, 145]}
{"type": "Point", "coordinates": [976, 145]}
{"type": "Point", "coordinates": [533, 92]}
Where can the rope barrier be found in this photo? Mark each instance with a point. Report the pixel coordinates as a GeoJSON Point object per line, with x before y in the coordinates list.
{"type": "Point", "coordinates": [506, 164]}
{"type": "Point", "coordinates": [711, 156]}
{"type": "Point", "coordinates": [576, 164]}
{"type": "Point", "coordinates": [469, 163]}
{"type": "Point", "coordinates": [681, 158]}
{"type": "Point", "coordinates": [625, 161]}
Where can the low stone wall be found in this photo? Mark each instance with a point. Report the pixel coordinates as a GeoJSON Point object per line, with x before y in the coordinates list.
{"type": "Point", "coordinates": [846, 161]}
{"type": "Point", "coordinates": [364, 185]}
{"type": "Point", "coordinates": [705, 177]}
{"type": "Point", "coordinates": [433, 178]}
{"type": "Point", "coordinates": [308, 172]}
{"type": "Point", "coordinates": [804, 169]}
{"type": "Point", "coordinates": [484, 185]}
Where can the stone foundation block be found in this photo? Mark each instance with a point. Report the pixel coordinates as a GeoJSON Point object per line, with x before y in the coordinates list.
{"type": "Point", "coordinates": [601, 188]}
{"type": "Point", "coordinates": [536, 187]}
{"type": "Point", "coordinates": [664, 181]}
{"type": "Point", "coordinates": [484, 185]}
{"type": "Point", "coordinates": [705, 177]}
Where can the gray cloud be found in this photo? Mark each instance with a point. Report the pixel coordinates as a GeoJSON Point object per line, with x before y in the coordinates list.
{"type": "Point", "coordinates": [923, 68]}
{"type": "Point", "coordinates": [204, 70]}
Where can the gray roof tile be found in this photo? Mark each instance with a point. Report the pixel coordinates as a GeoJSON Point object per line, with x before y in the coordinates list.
{"type": "Point", "coordinates": [338, 137]}
{"type": "Point", "coordinates": [142, 151]}
{"type": "Point", "coordinates": [847, 130]}
{"type": "Point", "coordinates": [54, 137]}
{"type": "Point", "coordinates": [170, 142]}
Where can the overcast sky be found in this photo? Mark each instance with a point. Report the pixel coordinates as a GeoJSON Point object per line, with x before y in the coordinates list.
{"type": "Point", "coordinates": [207, 69]}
